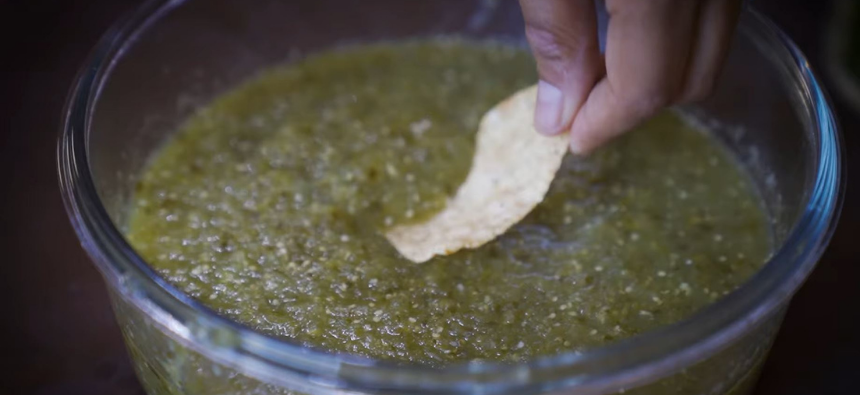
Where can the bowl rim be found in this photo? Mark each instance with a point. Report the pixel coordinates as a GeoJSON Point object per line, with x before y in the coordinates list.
{"type": "Point", "coordinates": [623, 364]}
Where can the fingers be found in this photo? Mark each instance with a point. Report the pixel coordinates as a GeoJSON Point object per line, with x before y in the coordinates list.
{"type": "Point", "coordinates": [563, 38]}
{"type": "Point", "coordinates": [647, 52]}
{"type": "Point", "coordinates": [658, 52]}
{"type": "Point", "coordinates": [717, 20]}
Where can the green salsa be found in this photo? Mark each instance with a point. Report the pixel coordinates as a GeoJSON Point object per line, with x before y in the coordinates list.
{"type": "Point", "coordinates": [270, 205]}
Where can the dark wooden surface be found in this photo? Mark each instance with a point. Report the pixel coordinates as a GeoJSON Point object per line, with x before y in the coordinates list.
{"type": "Point", "coordinates": [58, 335]}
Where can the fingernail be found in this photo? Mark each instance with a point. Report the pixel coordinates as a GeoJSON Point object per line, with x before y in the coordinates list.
{"type": "Point", "coordinates": [549, 109]}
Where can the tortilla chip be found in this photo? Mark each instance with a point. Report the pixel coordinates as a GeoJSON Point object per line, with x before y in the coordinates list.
{"type": "Point", "coordinates": [511, 172]}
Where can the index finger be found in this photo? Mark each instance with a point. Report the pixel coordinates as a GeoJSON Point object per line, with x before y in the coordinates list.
{"type": "Point", "coordinates": [647, 52]}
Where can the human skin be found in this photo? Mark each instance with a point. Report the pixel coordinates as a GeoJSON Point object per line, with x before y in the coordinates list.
{"type": "Point", "coordinates": [658, 53]}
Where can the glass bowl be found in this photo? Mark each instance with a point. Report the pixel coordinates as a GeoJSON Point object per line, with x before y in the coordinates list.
{"type": "Point", "coordinates": [155, 68]}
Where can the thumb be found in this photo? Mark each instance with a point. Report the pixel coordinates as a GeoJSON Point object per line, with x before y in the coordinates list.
{"type": "Point", "coordinates": [563, 38]}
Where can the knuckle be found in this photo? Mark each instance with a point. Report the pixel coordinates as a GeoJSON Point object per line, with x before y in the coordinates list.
{"type": "Point", "coordinates": [549, 43]}
{"type": "Point", "coordinates": [642, 103]}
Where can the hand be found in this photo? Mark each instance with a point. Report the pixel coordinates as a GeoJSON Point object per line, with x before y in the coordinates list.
{"type": "Point", "coordinates": [658, 53]}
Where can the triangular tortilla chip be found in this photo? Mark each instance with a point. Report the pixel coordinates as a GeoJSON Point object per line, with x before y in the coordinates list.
{"type": "Point", "coordinates": [511, 172]}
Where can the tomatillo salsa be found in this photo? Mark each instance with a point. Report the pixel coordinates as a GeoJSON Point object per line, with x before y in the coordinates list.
{"type": "Point", "coordinates": [270, 205]}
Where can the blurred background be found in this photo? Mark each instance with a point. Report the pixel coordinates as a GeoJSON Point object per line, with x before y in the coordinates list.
{"type": "Point", "coordinates": [58, 333]}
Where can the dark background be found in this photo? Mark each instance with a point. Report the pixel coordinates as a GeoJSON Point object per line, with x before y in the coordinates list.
{"type": "Point", "coordinates": [58, 335]}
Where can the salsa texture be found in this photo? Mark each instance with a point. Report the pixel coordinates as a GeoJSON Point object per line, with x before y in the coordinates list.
{"type": "Point", "coordinates": [270, 204]}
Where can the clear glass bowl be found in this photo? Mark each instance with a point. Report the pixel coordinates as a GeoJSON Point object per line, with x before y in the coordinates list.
{"type": "Point", "coordinates": [170, 57]}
